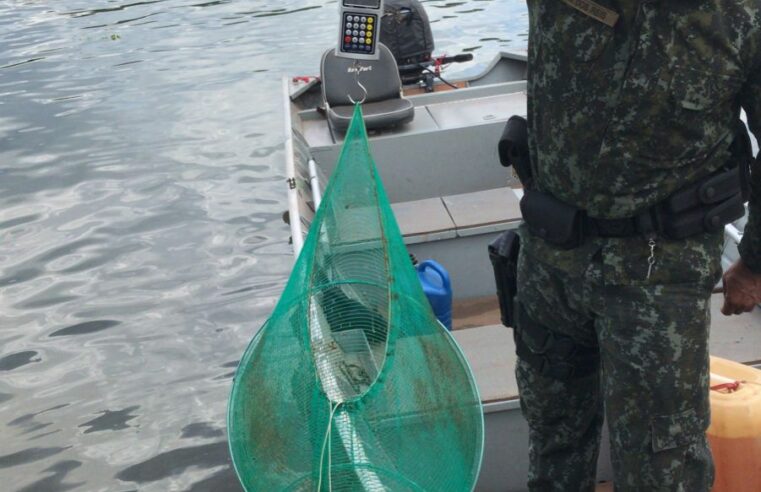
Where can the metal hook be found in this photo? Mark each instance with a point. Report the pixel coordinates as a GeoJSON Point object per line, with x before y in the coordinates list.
{"type": "Point", "coordinates": [356, 79]}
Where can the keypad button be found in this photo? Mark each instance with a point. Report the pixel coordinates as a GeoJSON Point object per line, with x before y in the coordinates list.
{"type": "Point", "coordinates": [362, 26]}
{"type": "Point", "coordinates": [369, 27]}
{"type": "Point", "coordinates": [355, 26]}
{"type": "Point", "coordinates": [361, 40]}
{"type": "Point", "coordinates": [370, 20]}
{"type": "Point", "coordinates": [362, 33]}
{"type": "Point", "coordinates": [354, 33]}
{"type": "Point", "coordinates": [348, 32]}
{"type": "Point", "coordinates": [347, 39]}
{"type": "Point", "coordinates": [353, 40]}
{"type": "Point", "coordinates": [363, 19]}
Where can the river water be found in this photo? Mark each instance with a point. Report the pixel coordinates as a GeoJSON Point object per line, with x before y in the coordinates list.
{"type": "Point", "coordinates": [141, 240]}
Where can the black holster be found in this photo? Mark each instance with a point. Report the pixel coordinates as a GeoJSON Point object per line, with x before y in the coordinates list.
{"type": "Point", "coordinates": [513, 149]}
{"type": "Point", "coordinates": [503, 253]}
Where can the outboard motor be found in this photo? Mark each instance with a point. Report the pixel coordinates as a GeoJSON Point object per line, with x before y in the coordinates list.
{"type": "Point", "coordinates": [406, 31]}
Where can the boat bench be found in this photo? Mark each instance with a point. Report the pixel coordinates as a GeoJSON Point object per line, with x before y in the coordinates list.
{"type": "Point", "coordinates": [455, 230]}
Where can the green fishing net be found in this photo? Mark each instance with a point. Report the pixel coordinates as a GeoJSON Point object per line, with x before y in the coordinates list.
{"type": "Point", "coordinates": [352, 384]}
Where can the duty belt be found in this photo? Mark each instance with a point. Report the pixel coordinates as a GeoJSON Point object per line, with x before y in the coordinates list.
{"type": "Point", "coordinates": [703, 207]}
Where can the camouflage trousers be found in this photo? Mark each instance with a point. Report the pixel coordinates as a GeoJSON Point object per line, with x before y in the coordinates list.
{"type": "Point", "coordinates": [652, 382]}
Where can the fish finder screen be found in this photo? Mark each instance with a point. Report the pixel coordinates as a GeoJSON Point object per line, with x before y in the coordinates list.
{"type": "Point", "coordinates": [370, 4]}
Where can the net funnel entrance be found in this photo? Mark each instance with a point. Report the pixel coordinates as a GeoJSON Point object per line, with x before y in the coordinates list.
{"type": "Point", "coordinates": [352, 384]}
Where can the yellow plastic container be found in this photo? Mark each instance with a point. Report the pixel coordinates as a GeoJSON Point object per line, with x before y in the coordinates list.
{"type": "Point", "coordinates": [735, 431]}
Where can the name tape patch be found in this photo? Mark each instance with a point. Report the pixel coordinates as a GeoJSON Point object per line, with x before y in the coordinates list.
{"type": "Point", "coordinates": [595, 10]}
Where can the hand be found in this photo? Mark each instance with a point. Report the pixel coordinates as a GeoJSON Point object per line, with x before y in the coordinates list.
{"type": "Point", "coordinates": [742, 289]}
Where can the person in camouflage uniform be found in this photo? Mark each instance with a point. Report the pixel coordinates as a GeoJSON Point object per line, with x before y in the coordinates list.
{"type": "Point", "coordinates": [629, 101]}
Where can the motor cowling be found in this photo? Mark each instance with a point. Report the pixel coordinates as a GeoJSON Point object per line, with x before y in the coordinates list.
{"type": "Point", "coordinates": [406, 31]}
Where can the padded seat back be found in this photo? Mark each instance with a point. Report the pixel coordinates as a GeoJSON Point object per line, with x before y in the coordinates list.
{"type": "Point", "coordinates": [380, 78]}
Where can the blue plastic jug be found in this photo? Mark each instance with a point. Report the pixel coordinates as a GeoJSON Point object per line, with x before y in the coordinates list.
{"type": "Point", "coordinates": [435, 281]}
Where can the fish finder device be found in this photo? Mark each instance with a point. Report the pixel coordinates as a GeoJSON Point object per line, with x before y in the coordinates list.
{"type": "Point", "coordinates": [360, 29]}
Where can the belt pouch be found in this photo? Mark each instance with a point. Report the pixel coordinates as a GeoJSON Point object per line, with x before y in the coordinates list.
{"type": "Point", "coordinates": [552, 220]}
{"type": "Point", "coordinates": [708, 218]}
{"type": "Point", "coordinates": [503, 253]}
{"type": "Point", "coordinates": [725, 212]}
{"type": "Point", "coordinates": [716, 188]}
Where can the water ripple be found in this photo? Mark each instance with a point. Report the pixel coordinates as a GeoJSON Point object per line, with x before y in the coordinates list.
{"type": "Point", "coordinates": [201, 429]}
{"type": "Point", "coordinates": [111, 420]}
{"type": "Point", "coordinates": [28, 456]}
{"type": "Point", "coordinates": [87, 13]}
{"type": "Point", "coordinates": [85, 328]}
{"type": "Point", "coordinates": [19, 359]}
{"type": "Point", "coordinates": [55, 482]}
{"type": "Point", "coordinates": [176, 461]}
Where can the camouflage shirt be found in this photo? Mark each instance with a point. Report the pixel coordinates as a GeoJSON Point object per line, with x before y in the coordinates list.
{"type": "Point", "coordinates": [623, 116]}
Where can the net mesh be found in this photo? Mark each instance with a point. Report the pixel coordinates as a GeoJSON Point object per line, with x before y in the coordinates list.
{"type": "Point", "coordinates": [352, 384]}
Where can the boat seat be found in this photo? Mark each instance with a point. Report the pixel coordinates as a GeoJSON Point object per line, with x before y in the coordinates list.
{"type": "Point", "coordinates": [384, 105]}
{"type": "Point", "coordinates": [463, 215]}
